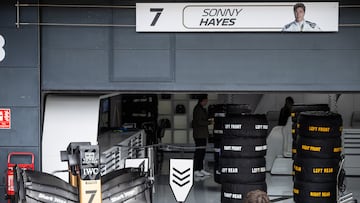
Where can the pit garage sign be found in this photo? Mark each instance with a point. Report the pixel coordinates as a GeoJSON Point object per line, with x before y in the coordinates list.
{"type": "Point", "coordinates": [181, 178]}
{"type": "Point", "coordinates": [5, 118]}
{"type": "Point", "coordinates": [237, 17]}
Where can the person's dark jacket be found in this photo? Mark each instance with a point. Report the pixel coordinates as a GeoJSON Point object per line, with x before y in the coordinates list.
{"type": "Point", "coordinates": [284, 115]}
{"type": "Point", "coordinates": [200, 122]}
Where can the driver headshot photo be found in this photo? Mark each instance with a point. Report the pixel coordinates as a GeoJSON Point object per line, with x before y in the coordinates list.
{"type": "Point", "coordinates": [300, 24]}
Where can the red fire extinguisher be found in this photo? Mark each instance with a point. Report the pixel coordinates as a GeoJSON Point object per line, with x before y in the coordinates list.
{"type": "Point", "coordinates": [10, 190]}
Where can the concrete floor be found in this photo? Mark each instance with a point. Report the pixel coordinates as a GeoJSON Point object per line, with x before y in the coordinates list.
{"type": "Point", "coordinates": [205, 190]}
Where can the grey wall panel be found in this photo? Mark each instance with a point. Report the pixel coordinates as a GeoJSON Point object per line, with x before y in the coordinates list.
{"type": "Point", "coordinates": [124, 16]}
{"type": "Point", "coordinates": [126, 38]}
{"type": "Point", "coordinates": [19, 47]}
{"type": "Point", "coordinates": [75, 67]}
{"type": "Point", "coordinates": [19, 86]}
{"type": "Point", "coordinates": [2, 187]}
{"type": "Point", "coordinates": [349, 15]}
{"type": "Point", "coordinates": [142, 65]}
{"type": "Point", "coordinates": [75, 38]}
{"type": "Point", "coordinates": [24, 128]}
{"type": "Point", "coordinates": [99, 38]}
{"type": "Point", "coordinates": [4, 151]}
{"type": "Point", "coordinates": [261, 68]}
{"type": "Point", "coordinates": [270, 41]}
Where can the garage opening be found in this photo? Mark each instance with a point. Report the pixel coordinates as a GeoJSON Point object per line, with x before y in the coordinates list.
{"type": "Point", "coordinates": [164, 120]}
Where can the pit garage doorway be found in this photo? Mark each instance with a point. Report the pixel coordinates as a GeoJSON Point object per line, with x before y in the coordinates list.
{"type": "Point", "coordinates": [85, 117]}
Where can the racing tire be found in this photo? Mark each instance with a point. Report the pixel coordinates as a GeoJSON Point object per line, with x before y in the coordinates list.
{"type": "Point", "coordinates": [316, 170]}
{"type": "Point", "coordinates": [314, 192]}
{"type": "Point", "coordinates": [319, 124]}
{"type": "Point", "coordinates": [326, 148]}
{"type": "Point", "coordinates": [242, 170]}
{"type": "Point", "coordinates": [238, 147]}
{"type": "Point", "coordinates": [298, 108]}
{"type": "Point", "coordinates": [249, 125]}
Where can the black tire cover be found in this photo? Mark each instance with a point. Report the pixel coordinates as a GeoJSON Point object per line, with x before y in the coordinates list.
{"type": "Point", "coordinates": [296, 109]}
{"type": "Point", "coordinates": [238, 147]}
{"type": "Point", "coordinates": [316, 170]}
{"type": "Point", "coordinates": [319, 124]}
{"type": "Point", "coordinates": [319, 148]}
{"type": "Point", "coordinates": [314, 192]}
{"type": "Point", "coordinates": [242, 170]}
{"type": "Point", "coordinates": [249, 125]}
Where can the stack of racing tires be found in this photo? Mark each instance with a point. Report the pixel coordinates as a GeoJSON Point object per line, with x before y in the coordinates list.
{"type": "Point", "coordinates": [316, 163]}
{"type": "Point", "coordinates": [242, 162]}
{"type": "Point", "coordinates": [139, 108]}
{"type": "Point", "coordinates": [219, 112]}
{"type": "Point", "coordinates": [295, 112]}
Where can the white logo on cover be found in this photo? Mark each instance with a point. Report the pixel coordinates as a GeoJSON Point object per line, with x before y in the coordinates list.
{"type": "Point", "coordinates": [2, 50]}
{"type": "Point", "coordinates": [181, 178]}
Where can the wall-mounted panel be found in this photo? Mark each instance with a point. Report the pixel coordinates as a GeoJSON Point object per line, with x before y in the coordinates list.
{"type": "Point", "coordinates": [24, 128]}
{"type": "Point", "coordinates": [19, 87]}
{"type": "Point", "coordinates": [75, 67]}
{"type": "Point", "coordinates": [241, 69]}
{"type": "Point", "coordinates": [126, 38]}
{"type": "Point", "coordinates": [75, 38]}
{"type": "Point", "coordinates": [141, 65]}
{"type": "Point", "coordinates": [349, 14]}
{"type": "Point", "coordinates": [19, 47]}
{"type": "Point", "coordinates": [124, 16]}
{"type": "Point", "coordinates": [269, 41]}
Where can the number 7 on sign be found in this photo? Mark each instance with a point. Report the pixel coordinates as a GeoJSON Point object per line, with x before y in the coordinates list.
{"type": "Point", "coordinates": [158, 13]}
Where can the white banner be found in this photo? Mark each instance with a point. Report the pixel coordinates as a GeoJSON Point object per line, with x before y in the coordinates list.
{"type": "Point", "coordinates": [237, 17]}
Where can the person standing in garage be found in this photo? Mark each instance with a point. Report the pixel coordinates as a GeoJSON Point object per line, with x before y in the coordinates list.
{"type": "Point", "coordinates": [200, 124]}
{"type": "Point", "coordinates": [285, 111]}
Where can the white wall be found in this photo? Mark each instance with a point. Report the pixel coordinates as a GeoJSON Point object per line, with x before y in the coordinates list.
{"type": "Point", "coordinates": [67, 119]}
